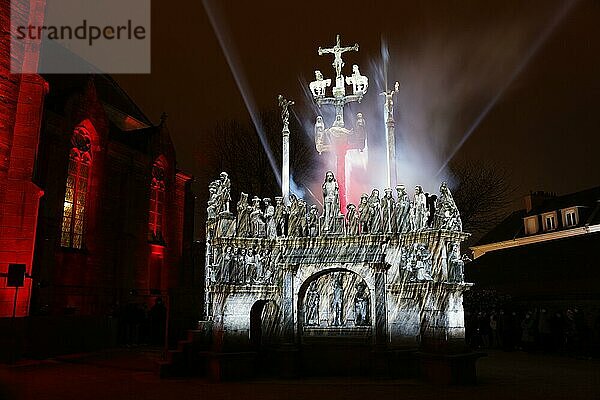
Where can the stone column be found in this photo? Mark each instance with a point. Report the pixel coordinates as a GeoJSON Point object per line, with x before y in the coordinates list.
{"type": "Point", "coordinates": [390, 146]}
{"type": "Point", "coordinates": [288, 331]}
{"type": "Point", "coordinates": [288, 355]}
{"type": "Point", "coordinates": [285, 169]}
{"type": "Point", "coordinates": [381, 326]}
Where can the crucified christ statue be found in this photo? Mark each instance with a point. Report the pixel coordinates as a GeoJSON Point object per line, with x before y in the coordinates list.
{"type": "Point", "coordinates": [337, 51]}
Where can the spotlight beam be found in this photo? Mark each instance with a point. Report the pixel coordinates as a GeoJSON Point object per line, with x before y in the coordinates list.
{"type": "Point", "coordinates": [242, 84]}
{"type": "Point", "coordinates": [554, 23]}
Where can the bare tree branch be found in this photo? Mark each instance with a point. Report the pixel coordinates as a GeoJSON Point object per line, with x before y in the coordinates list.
{"type": "Point", "coordinates": [483, 196]}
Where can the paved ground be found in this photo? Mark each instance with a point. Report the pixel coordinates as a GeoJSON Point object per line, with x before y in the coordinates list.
{"type": "Point", "coordinates": [129, 375]}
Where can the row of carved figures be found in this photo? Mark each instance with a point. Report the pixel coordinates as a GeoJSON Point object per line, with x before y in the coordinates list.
{"type": "Point", "coordinates": [416, 263]}
{"type": "Point", "coordinates": [241, 266]}
{"type": "Point", "coordinates": [361, 304]}
{"type": "Point", "coordinates": [374, 214]}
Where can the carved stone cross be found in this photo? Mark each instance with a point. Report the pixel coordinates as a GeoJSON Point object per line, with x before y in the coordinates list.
{"type": "Point", "coordinates": [337, 51]}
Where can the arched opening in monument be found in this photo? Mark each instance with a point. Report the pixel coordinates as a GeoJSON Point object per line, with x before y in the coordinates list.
{"type": "Point", "coordinates": [336, 323]}
{"type": "Point", "coordinates": [264, 324]}
{"type": "Point", "coordinates": [335, 303]}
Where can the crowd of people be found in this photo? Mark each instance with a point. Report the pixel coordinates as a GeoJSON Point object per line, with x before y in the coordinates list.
{"type": "Point", "coordinates": [572, 330]}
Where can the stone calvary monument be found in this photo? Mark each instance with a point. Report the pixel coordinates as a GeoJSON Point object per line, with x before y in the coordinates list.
{"type": "Point", "coordinates": [381, 280]}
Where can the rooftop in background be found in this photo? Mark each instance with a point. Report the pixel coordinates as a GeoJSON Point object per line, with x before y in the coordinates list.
{"type": "Point", "coordinates": [546, 216]}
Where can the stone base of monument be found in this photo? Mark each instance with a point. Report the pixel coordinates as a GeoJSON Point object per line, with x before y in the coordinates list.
{"type": "Point", "coordinates": [229, 366]}
{"type": "Point", "coordinates": [449, 369]}
{"type": "Point", "coordinates": [394, 364]}
{"type": "Point", "coordinates": [337, 227]}
{"type": "Point", "coordinates": [287, 361]}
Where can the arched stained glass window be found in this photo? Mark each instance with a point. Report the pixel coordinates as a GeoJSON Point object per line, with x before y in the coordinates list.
{"type": "Point", "coordinates": [78, 178]}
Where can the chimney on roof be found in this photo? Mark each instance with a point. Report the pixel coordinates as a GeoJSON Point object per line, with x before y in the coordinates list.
{"type": "Point", "coordinates": [535, 199]}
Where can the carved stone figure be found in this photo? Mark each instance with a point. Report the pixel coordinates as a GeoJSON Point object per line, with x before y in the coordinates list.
{"type": "Point", "coordinates": [238, 261]}
{"type": "Point", "coordinates": [359, 82]}
{"type": "Point", "coordinates": [279, 217]}
{"type": "Point", "coordinates": [213, 201]}
{"type": "Point", "coordinates": [321, 139]}
{"type": "Point", "coordinates": [224, 192]}
{"type": "Point", "coordinates": [256, 218]}
{"type": "Point", "coordinates": [294, 218]}
{"type": "Point", "coordinates": [260, 269]}
{"type": "Point", "coordinates": [431, 204]}
{"type": "Point", "coordinates": [251, 273]}
{"type": "Point", "coordinates": [313, 221]}
{"type": "Point", "coordinates": [447, 215]}
{"type": "Point", "coordinates": [285, 112]}
{"type": "Point", "coordinates": [227, 265]}
{"type": "Point", "coordinates": [337, 51]}
{"type": "Point", "coordinates": [388, 208]}
{"type": "Point", "coordinates": [364, 211]}
{"type": "Point", "coordinates": [375, 212]}
{"type": "Point", "coordinates": [402, 210]}
{"type": "Point", "coordinates": [302, 211]}
{"type": "Point", "coordinates": [271, 227]}
{"type": "Point", "coordinates": [419, 212]}
{"type": "Point", "coordinates": [361, 305]}
{"type": "Point", "coordinates": [422, 263]}
{"type": "Point", "coordinates": [319, 85]}
{"type": "Point", "coordinates": [243, 216]}
{"type": "Point", "coordinates": [352, 220]}
{"type": "Point", "coordinates": [267, 267]}
{"type": "Point", "coordinates": [338, 300]}
{"type": "Point", "coordinates": [331, 201]}
{"type": "Point", "coordinates": [456, 263]}
{"type": "Point", "coordinates": [313, 299]}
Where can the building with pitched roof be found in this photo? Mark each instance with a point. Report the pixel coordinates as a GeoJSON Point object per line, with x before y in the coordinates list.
{"type": "Point", "coordinates": [546, 253]}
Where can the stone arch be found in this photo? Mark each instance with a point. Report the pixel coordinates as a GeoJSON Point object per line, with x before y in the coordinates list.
{"type": "Point", "coordinates": [360, 275]}
{"type": "Point", "coordinates": [265, 316]}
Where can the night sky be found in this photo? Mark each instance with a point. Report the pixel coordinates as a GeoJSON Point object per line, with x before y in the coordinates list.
{"type": "Point", "coordinates": [540, 61]}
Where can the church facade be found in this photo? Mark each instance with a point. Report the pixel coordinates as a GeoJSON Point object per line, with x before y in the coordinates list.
{"type": "Point", "coordinates": [93, 209]}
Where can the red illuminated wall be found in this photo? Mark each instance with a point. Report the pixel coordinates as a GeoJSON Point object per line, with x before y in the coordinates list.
{"type": "Point", "coordinates": [21, 105]}
{"type": "Point", "coordinates": [120, 261]}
